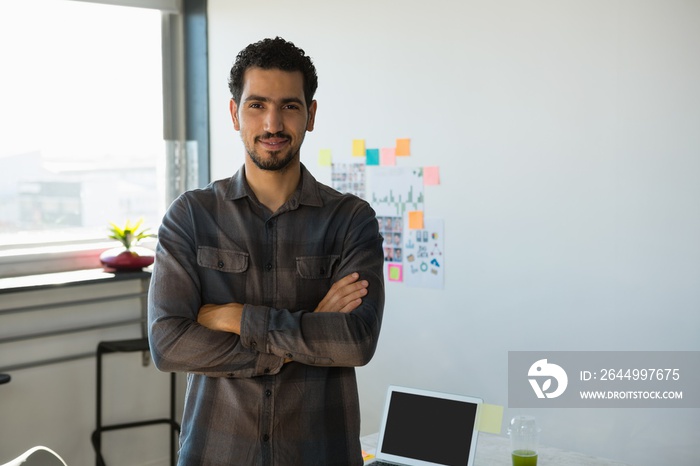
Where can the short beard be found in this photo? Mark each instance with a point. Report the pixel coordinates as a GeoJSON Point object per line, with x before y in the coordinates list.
{"type": "Point", "coordinates": [276, 162]}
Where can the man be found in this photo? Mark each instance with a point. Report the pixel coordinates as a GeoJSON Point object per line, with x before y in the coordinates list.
{"type": "Point", "coordinates": [268, 288]}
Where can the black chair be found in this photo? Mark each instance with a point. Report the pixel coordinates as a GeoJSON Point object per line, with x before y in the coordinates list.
{"type": "Point", "coordinates": [127, 346]}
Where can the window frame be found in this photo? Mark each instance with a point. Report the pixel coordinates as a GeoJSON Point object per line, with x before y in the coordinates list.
{"type": "Point", "coordinates": [185, 122]}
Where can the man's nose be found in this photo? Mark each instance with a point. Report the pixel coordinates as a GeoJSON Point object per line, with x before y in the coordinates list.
{"type": "Point", "coordinates": [273, 121]}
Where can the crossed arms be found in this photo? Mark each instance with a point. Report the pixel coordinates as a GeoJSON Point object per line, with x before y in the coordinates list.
{"type": "Point", "coordinates": [344, 296]}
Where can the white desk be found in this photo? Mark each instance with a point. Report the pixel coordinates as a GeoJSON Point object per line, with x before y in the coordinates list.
{"type": "Point", "coordinates": [494, 450]}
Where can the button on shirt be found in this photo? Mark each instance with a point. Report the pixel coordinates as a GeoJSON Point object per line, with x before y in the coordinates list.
{"type": "Point", "coordinates": [245, 405]}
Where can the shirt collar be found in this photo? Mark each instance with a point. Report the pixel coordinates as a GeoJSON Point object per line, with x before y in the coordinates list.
{"type": "Point", "coordinates": [307, 193]}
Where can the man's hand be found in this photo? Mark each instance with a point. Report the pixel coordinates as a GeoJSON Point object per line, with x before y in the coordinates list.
{"type": "Point", "coordinates": [345, 295]}
{"type": "Point", "coordinates": [224, 317]}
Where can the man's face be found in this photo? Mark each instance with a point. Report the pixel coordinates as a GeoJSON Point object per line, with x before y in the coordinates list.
{"type": "Point", "coordinates": [272, 116]}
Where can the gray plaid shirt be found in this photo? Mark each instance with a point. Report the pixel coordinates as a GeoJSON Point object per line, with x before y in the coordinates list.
{"type": "Point", "coordinates": [243, 405]}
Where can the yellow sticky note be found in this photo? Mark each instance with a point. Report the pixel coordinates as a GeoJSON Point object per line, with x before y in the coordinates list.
{"type": "Point", "coordinates": [358, 148]}
{"type": "Point", "coordinates": [415, 220]}
{"type": "Point", "coordinates": [490, 418]}
{"type": "Point", "coordinates": [403, 147]}
{"type": "Point", "coordinates": [324, 158]}
{"type": "Point", "coordinates": [431, 176]}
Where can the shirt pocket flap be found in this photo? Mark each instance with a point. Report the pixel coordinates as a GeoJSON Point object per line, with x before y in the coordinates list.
{"type": "Point", "coordinates": [224, 260]}
{"type": "Point", "coordinates": [315, 267]}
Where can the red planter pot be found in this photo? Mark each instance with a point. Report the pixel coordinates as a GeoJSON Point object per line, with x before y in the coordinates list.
{"type": "Point", "coordinates": [121, 258]}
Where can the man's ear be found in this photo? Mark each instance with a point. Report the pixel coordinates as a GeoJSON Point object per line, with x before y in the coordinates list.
{"type": "Point", "coordinates": [233, 108]}
{"type": "Point", "coordinates": [312, 116]}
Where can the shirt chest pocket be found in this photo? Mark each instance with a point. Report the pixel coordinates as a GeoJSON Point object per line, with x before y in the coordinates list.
{"type": "Point", "coordinates": [314, 279]}
{"type": "Point", "coordinates": [316, 267]}
{"type": "Point", "coordinates": [223, 260]}
{"type": "Point", "coordinates": [223, 274]}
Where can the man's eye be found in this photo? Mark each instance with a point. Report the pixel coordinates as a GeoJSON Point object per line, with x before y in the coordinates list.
{"type": "Point", "coordinates": [255, 106]}
{"type": "Point", "coordinates": [291, 107]}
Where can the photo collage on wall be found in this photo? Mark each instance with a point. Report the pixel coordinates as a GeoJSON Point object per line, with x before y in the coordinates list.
{"type": "Point", "coordinates": [391, 228]}
{"type": "Point", "coordinates": [349, 178]}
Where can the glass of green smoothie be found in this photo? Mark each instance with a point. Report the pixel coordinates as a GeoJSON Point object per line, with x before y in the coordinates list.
{"type": "Point", "coordinates": [524, 438]}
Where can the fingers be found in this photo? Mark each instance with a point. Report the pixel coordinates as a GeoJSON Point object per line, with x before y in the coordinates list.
{"type": "Point", "coordinates": [345, 295]}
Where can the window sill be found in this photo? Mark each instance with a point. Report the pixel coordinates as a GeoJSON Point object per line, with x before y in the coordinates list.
{"type": "Point", "coordinates": [53, 259]}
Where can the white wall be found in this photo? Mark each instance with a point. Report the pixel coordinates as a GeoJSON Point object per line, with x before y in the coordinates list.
{"type": "Point", "coordinates": [567, 137]}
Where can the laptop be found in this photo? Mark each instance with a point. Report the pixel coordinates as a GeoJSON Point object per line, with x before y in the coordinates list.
{"type": "Point", "coordinates": [426, 428]}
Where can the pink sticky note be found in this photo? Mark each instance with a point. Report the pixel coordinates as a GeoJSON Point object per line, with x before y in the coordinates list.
{"type": "Point", "coordinates": [403, 147]}
{"type": "Point", "coordinates": [415, 220]}
{"type": "Point", "coordinates": [387, 157]}
{"type": "Point", "coordinates": [395, 272]}
{"type": "Point", "coordinates": [431, 176]}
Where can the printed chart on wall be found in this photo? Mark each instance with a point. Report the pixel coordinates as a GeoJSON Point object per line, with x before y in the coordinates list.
{"type": "Point", "coordinates": [394, 191]}
{"type": "Point", "coordinates": [424, 259]}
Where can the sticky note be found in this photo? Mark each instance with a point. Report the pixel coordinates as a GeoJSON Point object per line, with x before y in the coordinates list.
{"type": "Point", "coordinates": [324, 158]}
{"type": "Point", "coordinates": [395, 272]}
{"type": "Point", "coordinates": [358, 148]}
{"type": "Point", "coordinates": [431, 176]}
{"type": "Point", "coordinates": [403, 147]}
{"type": "Point", "coordinates": [387, 157]}
{"type": "Point", "coordinates": [490, 418]}
{"type": "Point", "coordinates": [372, 156]}
{"type": "Point", "coordinates": [415, 220]}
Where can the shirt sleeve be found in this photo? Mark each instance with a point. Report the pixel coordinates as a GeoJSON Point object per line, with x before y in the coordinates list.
{"type": "Point", "coordinates": [329, 339]}
{"type": "Point", "coordinates": [178, 343]}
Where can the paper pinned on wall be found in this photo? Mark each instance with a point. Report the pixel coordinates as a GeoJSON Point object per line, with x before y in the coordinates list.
{"type": "Point", "coordinates": [423, 257]}
{"type": "Point", "coordinates": [387, 157]}
{"type": "Point", "coordinates": [403, 147]}
{"type": "Point", "coordinates": [349, 178]}
{"type": "Point", "coordinates": [372, 156]}
{"type": "Point", "coordinates": [358, 148]}
{"type": "Point", "coordinates": [431, 176]}
{"type": "Point", "coordinates": [325, 158]}
{"type": "Point", "coordinates": [393, 191]}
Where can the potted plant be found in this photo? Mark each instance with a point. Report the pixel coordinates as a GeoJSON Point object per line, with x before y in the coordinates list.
{"type": "Point", "coordinates": [128, 256]}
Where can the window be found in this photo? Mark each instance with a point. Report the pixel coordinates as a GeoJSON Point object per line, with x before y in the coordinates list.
{"type": "Point", "coordinates": [82, 123]}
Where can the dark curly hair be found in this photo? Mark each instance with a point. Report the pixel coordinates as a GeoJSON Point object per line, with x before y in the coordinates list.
{"type": "Point", "coordinates": [274, 53]}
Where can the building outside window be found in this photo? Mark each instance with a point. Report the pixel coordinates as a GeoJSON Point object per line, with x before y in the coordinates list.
{"type": "Point", "coordinates": [81, 118]}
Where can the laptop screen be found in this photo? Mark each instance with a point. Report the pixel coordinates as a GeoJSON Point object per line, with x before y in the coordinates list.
{"type": "Point", "coordinates": [432, 429]}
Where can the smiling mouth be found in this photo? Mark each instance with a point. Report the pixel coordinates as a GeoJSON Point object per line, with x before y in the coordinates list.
{"type": "Point", "coordinates": [273, 142]}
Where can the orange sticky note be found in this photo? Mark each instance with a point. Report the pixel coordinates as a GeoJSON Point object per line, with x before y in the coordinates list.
{"type": "Point", "coordinates": [431, 176]}
{"type": "Point", "coordinates": [415, 220]}
{"type": "Point", "coordinates": [387, 157]}
{"type": "Point", "coordinates": [358, 147]}
{"type": "Point", "coordinates": [324, 158]}
{"type": "Point", "coordinates": [403, 147]}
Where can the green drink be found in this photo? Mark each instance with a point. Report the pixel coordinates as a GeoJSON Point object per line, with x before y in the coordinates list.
{"type": "Point", "coordinates": [524, 458]}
